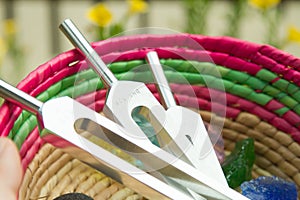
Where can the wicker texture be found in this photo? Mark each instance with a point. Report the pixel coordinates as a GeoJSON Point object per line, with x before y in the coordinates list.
{"type": "Point", "coordinates": [254, 94]}
{"type": "Point", "coordinates": [52, 173]}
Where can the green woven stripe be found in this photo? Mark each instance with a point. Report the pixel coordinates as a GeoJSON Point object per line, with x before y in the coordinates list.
{"type": "Point", "coordinates": [246, 79]}
{"type": "Point", "coordinates": [281, 84]}
{"type": "Point", "coordinates": [192, 72]}
{"type": "Point", "coordinates": [262, 80]}
{"type": "Point", "coordinates": [120, 67]}
{"type": "Point", "coordinates": [24, 130]}
{"type": "Point", "coordinates": [212, 82]}
{"type": "Point", "coordinates": [264, 77]}
{"type": "Point", "coordinates": [186, 67]}
{"type": "Point", "coordinates": [18, 122]}
{"type": "Point", "coordinates": [55, 89]}
{"type": "Point", "coordinates": [256, 83]}
{"type": "Point", "coordinates": [281, 111]}
{"type": "Point", "coordinates": [297, 95]}
{"type": "Point", "coordinates": [82, 88]}
{"type": "Point", "coordinates": [281, 97]}
{"type": "Point", "coordinates": [178, 65]}
{"type": "Point", "coordinates": [297, 108]}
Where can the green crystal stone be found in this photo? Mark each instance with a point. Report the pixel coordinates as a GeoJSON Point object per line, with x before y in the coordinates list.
{"type": "Point", "coordinates": [238, 165]}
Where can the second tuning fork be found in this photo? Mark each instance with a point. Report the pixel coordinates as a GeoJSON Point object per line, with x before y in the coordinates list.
{"type": "Point", "coordinates": [193, 138]}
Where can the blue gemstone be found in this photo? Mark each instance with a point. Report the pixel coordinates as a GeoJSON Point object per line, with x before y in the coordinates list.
{"type": "Point", "coordinates": [269, 188]}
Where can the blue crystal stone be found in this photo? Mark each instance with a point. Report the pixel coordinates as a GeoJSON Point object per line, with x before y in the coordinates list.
{"type": "Point", "coordinates": [269, 188]}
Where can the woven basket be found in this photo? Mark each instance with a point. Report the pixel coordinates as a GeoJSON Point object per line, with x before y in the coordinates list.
{"type": "Point", "coordinates": [255, 93]}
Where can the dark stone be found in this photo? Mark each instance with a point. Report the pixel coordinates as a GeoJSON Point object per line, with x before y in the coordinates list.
{"type": "Point", "coordinates": [73, 196]}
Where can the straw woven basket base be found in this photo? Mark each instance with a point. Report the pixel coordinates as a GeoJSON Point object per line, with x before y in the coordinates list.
{"type": "Point", "coordinates": [53, 173]}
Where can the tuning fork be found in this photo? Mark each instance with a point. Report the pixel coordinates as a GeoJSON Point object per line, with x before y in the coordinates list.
{"type": "Point", "coordinates": [200, 153]}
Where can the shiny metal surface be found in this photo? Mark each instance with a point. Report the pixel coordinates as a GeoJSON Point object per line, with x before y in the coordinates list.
{"type": "Point", "coordinates": [200, 152]}
{"type": "Point", "coordinates": [19, 97]}
{"type": "Point", "coordinates": [79, 41]}
{"type": "Point", "coordinates": [160, 80]}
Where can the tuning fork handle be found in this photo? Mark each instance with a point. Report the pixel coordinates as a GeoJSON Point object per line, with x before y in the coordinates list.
{"type": "Point", "coordinates": [19, 97]}
{"type": "Point", "coordinates": [79, 41]}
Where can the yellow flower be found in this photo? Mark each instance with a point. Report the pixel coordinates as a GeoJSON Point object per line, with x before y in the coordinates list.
{"type": "Point", "coordinates": [100, 15]}
{"type": "Point", "coordinates": [293, 34]}
{"type": "Point", "coordinates": [264, 4]}
{"type": "Point", "coordinates": [137, 6]}
{"type": "Point", "coordinates": [9, 27]}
